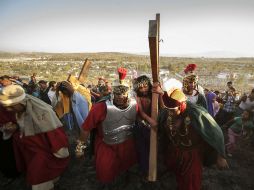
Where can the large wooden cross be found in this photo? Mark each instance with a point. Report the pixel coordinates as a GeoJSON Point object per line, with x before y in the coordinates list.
{"type": "Point", "coordinates": [153, 36]}
{"type": "Point", "coordinates": [82, 75]}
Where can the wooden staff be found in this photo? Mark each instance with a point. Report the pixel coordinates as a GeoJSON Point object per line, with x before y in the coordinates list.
{"type": "Point", "coordinates": [154, 56]}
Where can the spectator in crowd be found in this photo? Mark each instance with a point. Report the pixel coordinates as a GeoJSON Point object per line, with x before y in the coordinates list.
{"type": "Point", "coordinates": [44, 89]}
{"type": "Point", "coordinates": [229, 106]}
{"type": "Point", "coordinates": [246, 102]}
{"type": "Point", "coordinates": [213, 105]}
{"type": "Point", "coordinates": [33, 79]}
{"type": "Point", "coordinates": [52, 90]}
{"type": "Point", "coordinates": [236, 129]}
{"type": "Point", "coordinates": [206, 91]}
{"type": "Point", "coordinates": [230, 86]}
{"type": "Point", "coordinates": [95, 92]}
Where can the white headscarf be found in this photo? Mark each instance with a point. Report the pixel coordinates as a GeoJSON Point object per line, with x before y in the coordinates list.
{"type": "Point", "coordinates": [38, 116]}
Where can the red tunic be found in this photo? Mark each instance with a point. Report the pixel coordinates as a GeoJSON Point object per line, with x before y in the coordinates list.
{"type": "Point", "coordinates": [110, 160]}
{"type": "Point", "coordinates": [34, 155]}
{"type": "Point", "coordinates": [187, 166]}
{"type": "Point", "coordinates": [187, 162]}
{"type": "Point", "coordinates": [7, 157]}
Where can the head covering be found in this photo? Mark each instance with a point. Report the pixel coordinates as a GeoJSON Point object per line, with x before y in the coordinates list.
{"type": "Point", "coordinates": [38, 117]}
{"type": "Point", "coordinates": [190, 76]}
{"type": "Point", "coordinates": [210, 96]}
{"type": "Point", "coordinates": [176, 99]}
{"type": "Point", "coordinates": [169, 85]}
{"type": "Point", "coordinates": [178, 95]}
{"type": "Point", "coordinates": [120, 86]}
{"type": "Point", "coordinates": [12, 95]}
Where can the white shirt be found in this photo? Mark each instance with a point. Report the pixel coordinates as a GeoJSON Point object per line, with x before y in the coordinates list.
{"type": "Point", "coordinates": [247, 105]}
{"type": "Point", "coordinates": [192, 98]}
{"type": "Point", "coordinates": [51, 94]}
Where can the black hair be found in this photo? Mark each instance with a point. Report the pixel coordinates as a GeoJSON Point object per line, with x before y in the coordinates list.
{"type": "Point", "coordinates": [42, 82]}
{"type": "Point", "coordinates": [51, 83]}
{"type": "Point", "coordinates": [143, 79]}
{"type": "Point", "coordinates": [5, 77]}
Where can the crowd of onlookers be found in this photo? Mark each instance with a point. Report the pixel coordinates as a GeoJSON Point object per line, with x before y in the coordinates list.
{"type": "Point", "coordinates": [45, 90]}
{"type": "Point", "coordinates": [234, 113]}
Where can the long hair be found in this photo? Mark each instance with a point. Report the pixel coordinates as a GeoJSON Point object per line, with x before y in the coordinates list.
{"type": "Point", "coordinates": [141, 81]}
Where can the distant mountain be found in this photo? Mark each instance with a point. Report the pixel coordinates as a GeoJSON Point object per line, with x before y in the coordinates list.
{"type": "Point", "coordinates": [216, 54]}
{"type": "Point", "coordinates": [211, 54]}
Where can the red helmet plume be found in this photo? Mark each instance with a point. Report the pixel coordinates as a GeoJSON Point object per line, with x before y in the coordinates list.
{"type": "Point", "coordinates": [122, 72]}
{"type": "Point", "coordinates": [190, 68]}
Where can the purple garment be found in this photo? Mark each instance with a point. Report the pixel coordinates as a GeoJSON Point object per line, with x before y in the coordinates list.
{"type": "Point", "coordinates": [209, 98]}
{"type": "Point", "coordinates": [142, 136]}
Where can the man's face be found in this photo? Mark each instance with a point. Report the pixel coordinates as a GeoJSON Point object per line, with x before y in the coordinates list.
{"type": "Point", "coordinates": [101, 82]}
{"type": "Point", "coordinates": [191, 85]}
{"type": "Point", "coordinates": [54, 86]}
{"type": "Point", "coordinates": [120, 100]}
{"type": "Point", "coordinates": [245, 115]}
{"type": "Point", "coordinates": [43, 85]}
{"type": "Point", "coordinates": [5, 82]}
{"type": "Point", "coordinates": [143, 90]}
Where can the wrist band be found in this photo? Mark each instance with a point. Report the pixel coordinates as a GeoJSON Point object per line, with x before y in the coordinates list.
{"type": "Point", "coordinates": [81, 146]}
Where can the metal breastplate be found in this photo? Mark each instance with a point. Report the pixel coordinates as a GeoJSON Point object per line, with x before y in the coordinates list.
{"type": "Point", "coordinates": [118, 124]}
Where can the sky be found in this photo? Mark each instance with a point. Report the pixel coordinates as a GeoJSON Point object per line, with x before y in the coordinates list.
{"type": "Point", "coordinates": [187, 27]}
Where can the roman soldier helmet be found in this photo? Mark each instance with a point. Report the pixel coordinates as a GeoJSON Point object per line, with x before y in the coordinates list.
{"type": "Point", "coordinates": [190, 76]}
{"type": "Point", "coordinates": [120, 86]}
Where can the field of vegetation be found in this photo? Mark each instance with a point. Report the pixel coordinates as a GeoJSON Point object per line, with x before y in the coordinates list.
{"type": "Point", "coordinates": [213, 72]}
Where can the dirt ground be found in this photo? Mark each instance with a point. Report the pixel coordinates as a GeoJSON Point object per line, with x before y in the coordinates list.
{"type": "Point", "coordinates": [80, 175]}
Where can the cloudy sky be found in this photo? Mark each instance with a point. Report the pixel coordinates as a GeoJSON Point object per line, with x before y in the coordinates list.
{"type": "Point", "coordinates": [187, 26]}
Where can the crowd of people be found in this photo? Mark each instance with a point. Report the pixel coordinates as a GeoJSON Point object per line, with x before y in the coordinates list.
{"type": "Point", "coordinates": [43, 123]}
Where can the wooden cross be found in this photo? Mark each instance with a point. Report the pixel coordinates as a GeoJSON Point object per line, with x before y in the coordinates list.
{"type": "Point", "coordinates": [153, 36]}
{"type": "Point", "coordinates": [82, 75]}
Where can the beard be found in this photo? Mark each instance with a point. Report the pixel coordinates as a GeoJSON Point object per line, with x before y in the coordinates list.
{"type": "Point", "coordinates": [144, 94]}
